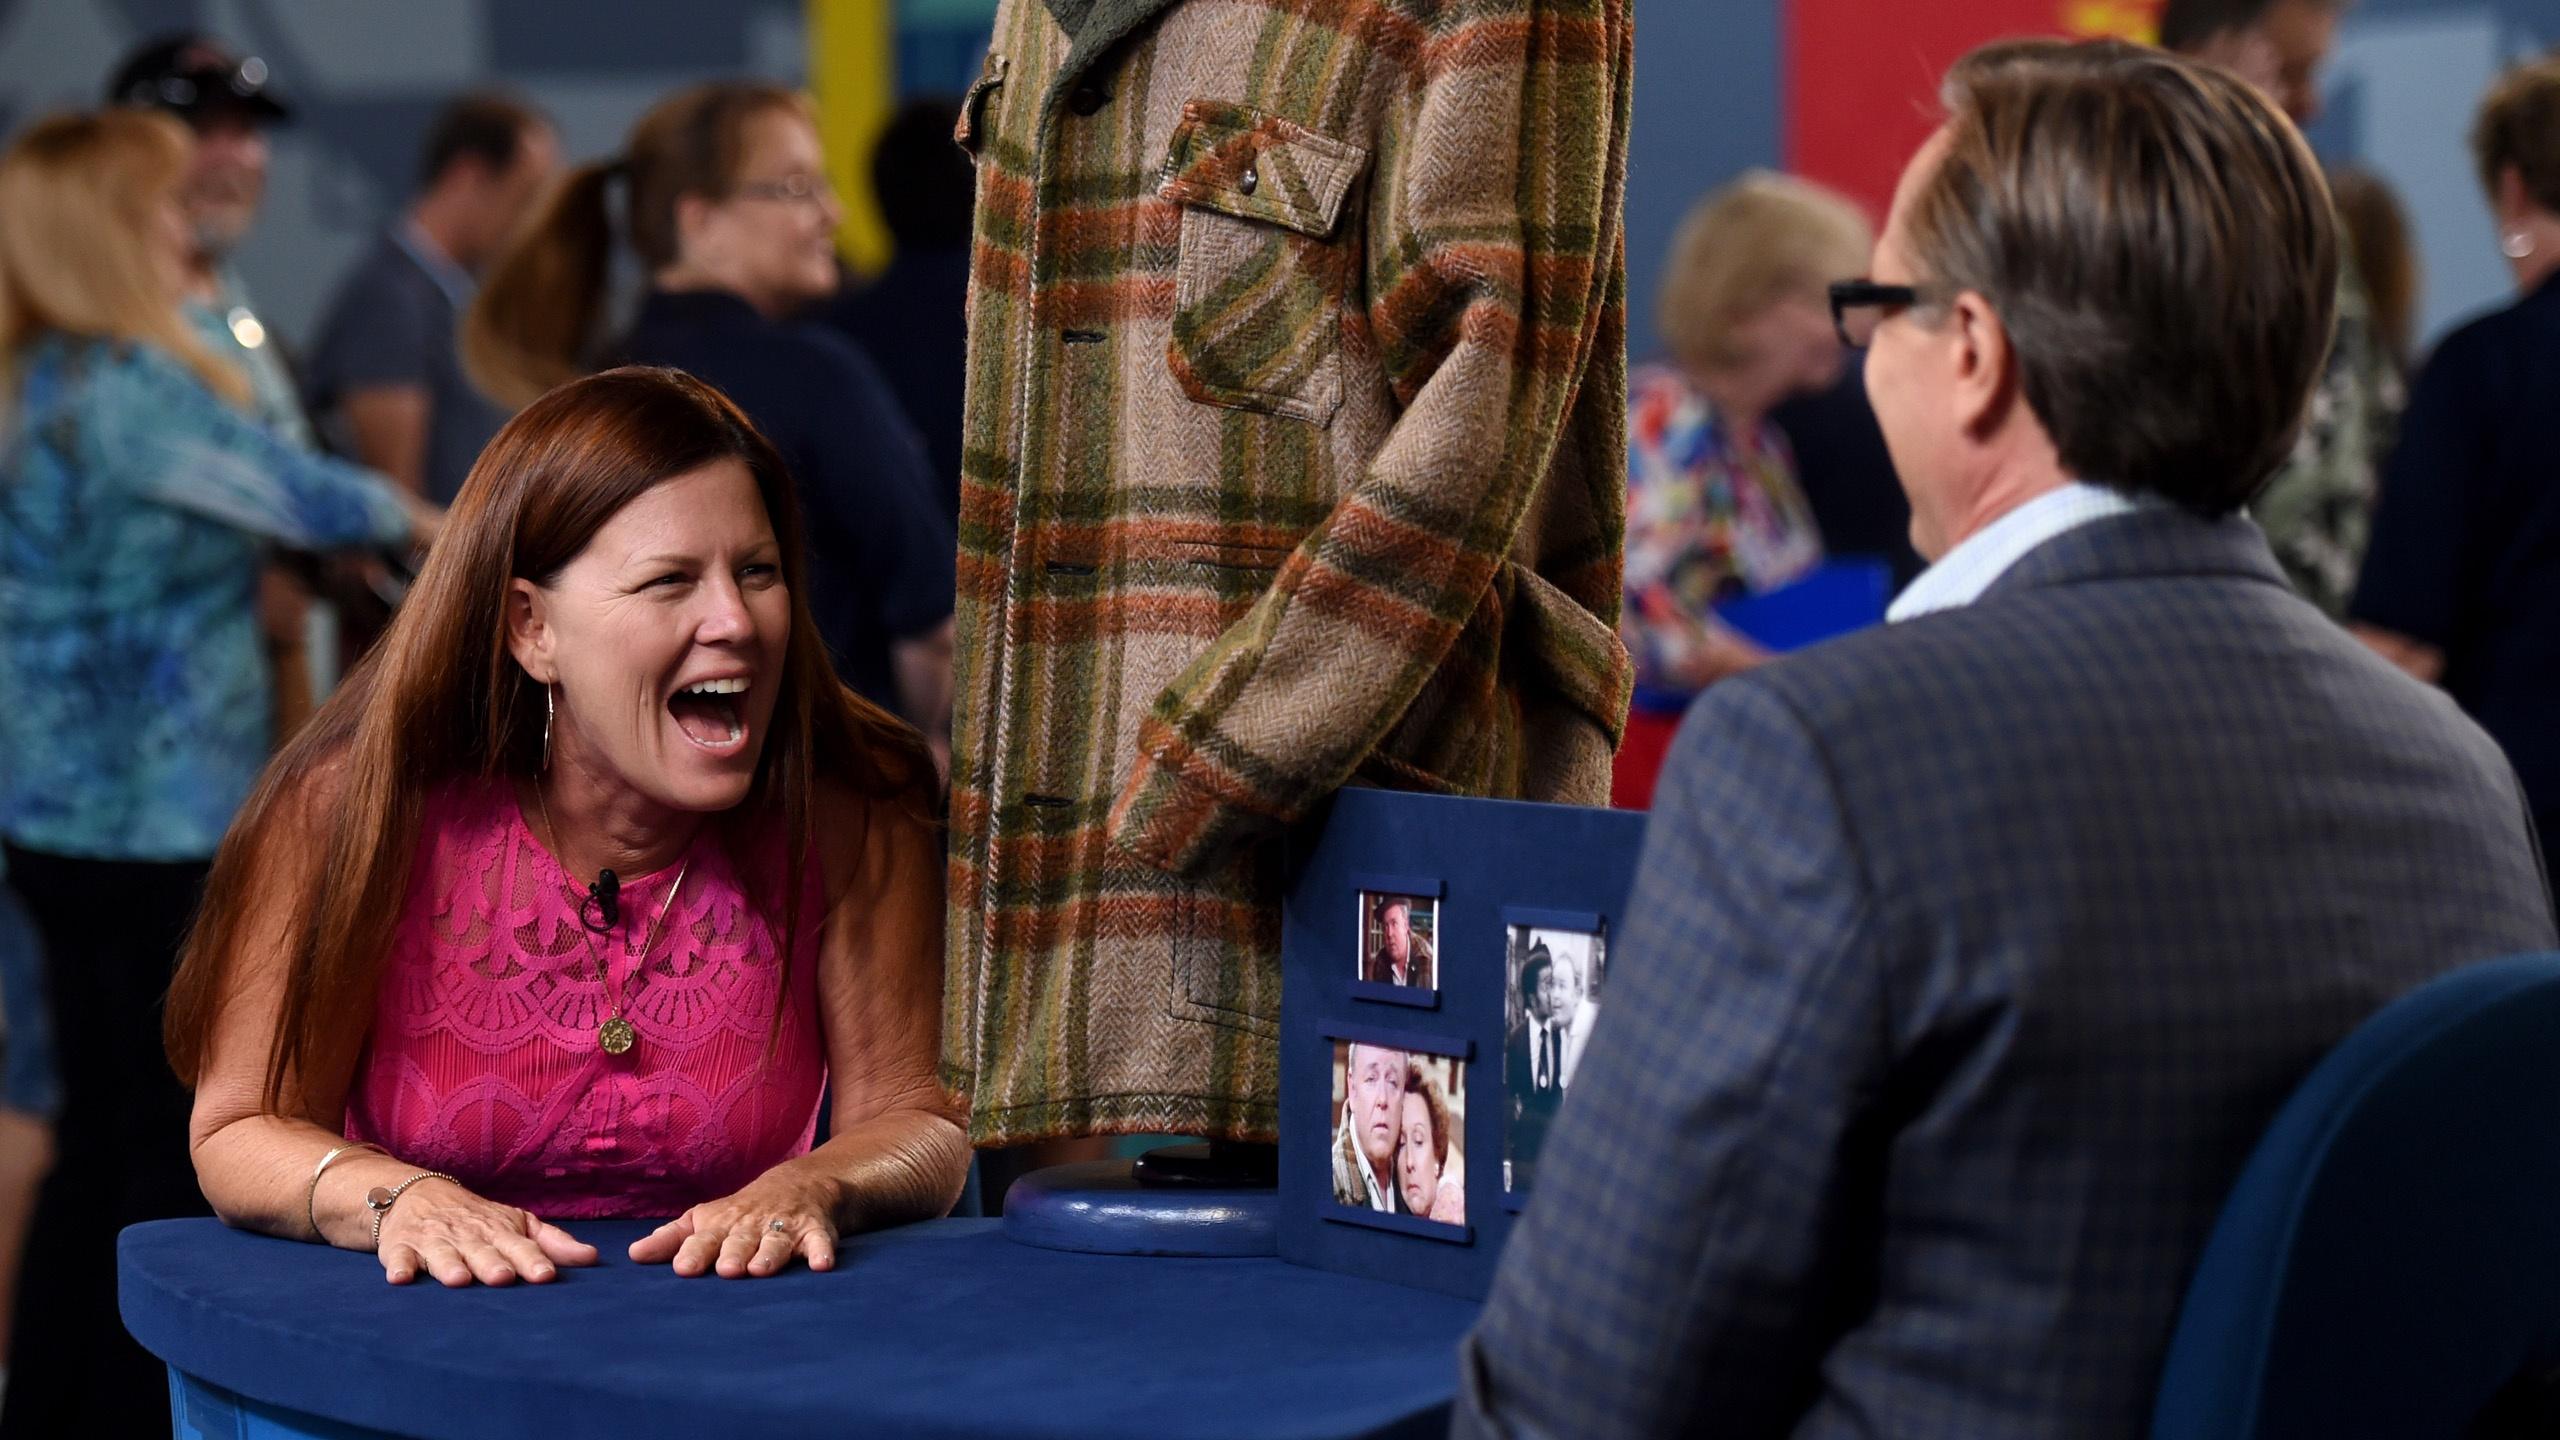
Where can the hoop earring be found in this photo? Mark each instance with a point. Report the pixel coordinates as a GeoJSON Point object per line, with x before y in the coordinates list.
{"type": "Point", "coordinates": [550, 708]}
{"type": "Point", "coordinates": [2517, 245]}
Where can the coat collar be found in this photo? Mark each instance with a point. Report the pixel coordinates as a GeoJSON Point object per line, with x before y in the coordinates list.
{"type": "Point", "coordinates": [2156, 542]}
{"type": "Point", "coordinates": [1070, 14]}
{"type": "Point", "coordinates": [1094, 27]}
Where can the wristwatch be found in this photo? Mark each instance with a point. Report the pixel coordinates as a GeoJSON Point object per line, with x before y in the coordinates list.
{"type": "Point", "coordinates": [381, 1198]}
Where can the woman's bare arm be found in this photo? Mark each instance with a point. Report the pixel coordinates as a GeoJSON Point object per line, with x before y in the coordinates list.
{"type": "Point", "coordinates": [256, 1166]}
{"type": "Point", "coordinates": [898, 1152]}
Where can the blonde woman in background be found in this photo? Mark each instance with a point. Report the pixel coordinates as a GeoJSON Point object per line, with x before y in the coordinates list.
{"type": "Point", "coordinates": [1713, 507]}
{"type": "Point", "coordinates": [136, 496]}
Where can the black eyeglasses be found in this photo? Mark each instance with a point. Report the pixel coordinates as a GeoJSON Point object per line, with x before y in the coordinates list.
{"type": "Point", "coordinates": [1859, 306]}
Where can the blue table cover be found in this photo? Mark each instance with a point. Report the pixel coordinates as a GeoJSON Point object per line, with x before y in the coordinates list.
{"type": "Point", "coordinates": [1834, 598]}
{"type": "Point", "coordinates": [940, 1329]}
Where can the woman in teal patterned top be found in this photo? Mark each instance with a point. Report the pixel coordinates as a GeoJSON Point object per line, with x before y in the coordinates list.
{"type": "Point", "coordinates": [136, 495]}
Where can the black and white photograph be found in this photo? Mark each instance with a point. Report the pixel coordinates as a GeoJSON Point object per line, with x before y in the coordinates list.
{"type": "Point", "coordinates": [1399, 1131]}
{"type": "Point", "coordinates": [1399, 936]}
{"type": "Point", "coordinates": [1551, 1000]}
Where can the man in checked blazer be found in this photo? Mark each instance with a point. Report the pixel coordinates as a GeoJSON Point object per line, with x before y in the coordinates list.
{"type": "Point", "coordinates": [1969, 956]}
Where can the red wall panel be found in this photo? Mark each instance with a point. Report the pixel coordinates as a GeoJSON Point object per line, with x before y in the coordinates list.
{"type": "Point", "coordinates": [1862, 75]}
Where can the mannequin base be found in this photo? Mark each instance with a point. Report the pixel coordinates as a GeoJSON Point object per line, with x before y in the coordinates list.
{"type": "Point", "coordinates": [1122, 1207]}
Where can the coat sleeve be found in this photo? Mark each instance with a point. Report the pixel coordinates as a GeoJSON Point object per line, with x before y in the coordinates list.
{"type": "Point", "coordinates": [1495, 264]}
{"type": "Point", "coordinates": [1705, 1193]}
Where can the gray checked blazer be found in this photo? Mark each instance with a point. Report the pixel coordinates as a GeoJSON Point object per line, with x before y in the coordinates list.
{"type": "Point", "coordinates": [1967, 960]}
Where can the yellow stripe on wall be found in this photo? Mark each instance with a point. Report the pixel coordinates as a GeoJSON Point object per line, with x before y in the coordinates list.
{"type": "Point", "coordinates": [853, 78]}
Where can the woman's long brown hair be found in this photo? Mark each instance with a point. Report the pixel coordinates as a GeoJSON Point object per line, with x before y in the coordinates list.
{"type": "Point", "coordinates": [537, 319]}
{"type": "Point", "coordinates": [442, 699]}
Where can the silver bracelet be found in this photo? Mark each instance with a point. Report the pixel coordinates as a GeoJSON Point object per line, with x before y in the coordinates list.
{"type": "Point", "coordinates": [311, 1196]}
{"type": "Point", "coordinates": [381, 1198]}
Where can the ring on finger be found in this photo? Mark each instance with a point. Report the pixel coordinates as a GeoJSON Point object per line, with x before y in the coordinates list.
{"type": "Point", "coordinates": [776, 1227]}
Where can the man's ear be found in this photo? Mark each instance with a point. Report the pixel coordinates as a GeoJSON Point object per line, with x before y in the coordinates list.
{"type": "Point", "coordinates": [1986, 367]}
{"type": "Point", "coordinates": [529, 636]}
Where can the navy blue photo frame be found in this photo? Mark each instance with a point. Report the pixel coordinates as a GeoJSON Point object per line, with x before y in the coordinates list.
{"type": "Point", "coordinates": [1493, 857]}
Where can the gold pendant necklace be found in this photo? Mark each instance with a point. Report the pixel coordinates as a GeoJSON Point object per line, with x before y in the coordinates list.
{"type": "Point", "coordinates": [615, 1036]}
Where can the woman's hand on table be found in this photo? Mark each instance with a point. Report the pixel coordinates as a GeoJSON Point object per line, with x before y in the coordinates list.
{"type": "Point", "coordinates": [786, 1212]}
{"type": "Point", "coordinates": [458, 1237]}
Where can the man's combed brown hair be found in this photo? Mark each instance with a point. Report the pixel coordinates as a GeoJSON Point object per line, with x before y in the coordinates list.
{"type": "Point", "coordinates": [2160, 246]}
{"type": "Point", "coordinates": [2518, 128]}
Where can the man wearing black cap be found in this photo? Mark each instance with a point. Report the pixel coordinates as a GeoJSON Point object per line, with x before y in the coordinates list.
{"type": "Point", "coordinates": [226, 101]}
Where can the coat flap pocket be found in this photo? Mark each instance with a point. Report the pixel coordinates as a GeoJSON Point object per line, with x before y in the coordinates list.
{"type": "Point", "coordinates": [1241, 162]}
{"type": "Point", "coordinates": [1574, 650]}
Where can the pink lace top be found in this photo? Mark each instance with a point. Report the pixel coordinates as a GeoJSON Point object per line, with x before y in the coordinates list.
{"type": "Point", "coordinates": [484, 1062]}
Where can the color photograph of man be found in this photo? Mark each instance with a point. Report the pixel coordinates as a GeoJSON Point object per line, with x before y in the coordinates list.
{"type": "Point", "coordinates": [1396, 935]}
{"type": "Point", "coordinates": [1368, 1089]}
{"type": "Point", "coordinates": [1399, 1132]}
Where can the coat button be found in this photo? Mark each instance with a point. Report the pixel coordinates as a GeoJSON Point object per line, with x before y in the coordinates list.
{"type": "Point", "coordinates": [1085, 99]}
{"type": "Point", "coordinates": [1248, 182]}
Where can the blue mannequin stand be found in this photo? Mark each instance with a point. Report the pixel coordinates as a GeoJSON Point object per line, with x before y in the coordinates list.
{"type": "Point", "coordinates": [1182, 1200]}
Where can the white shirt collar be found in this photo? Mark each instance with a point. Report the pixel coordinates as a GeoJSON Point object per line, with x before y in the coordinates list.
{"type": "Point", "coordinates": [1962, 574]}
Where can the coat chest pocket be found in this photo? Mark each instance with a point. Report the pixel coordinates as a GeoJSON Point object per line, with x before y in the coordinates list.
{"type": "Point", "coordinates": [1259, 288]}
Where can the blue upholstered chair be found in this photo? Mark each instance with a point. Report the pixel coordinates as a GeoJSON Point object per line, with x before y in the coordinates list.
{"type": "Point", "coordinates": [2391, 1255]}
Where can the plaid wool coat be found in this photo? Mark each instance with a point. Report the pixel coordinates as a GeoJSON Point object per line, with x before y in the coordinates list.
{"type": "Point", "coordinates": [1295, 457]}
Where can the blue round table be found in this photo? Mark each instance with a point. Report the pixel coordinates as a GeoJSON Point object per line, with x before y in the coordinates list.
{"type": "Point", "coordinates": [940, 1329]}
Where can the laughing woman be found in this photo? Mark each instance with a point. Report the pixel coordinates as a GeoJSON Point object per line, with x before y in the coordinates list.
{"type": "Point", "coordinates": [576, 894]}
{"type": "Point", "coordinates": [721, 196]}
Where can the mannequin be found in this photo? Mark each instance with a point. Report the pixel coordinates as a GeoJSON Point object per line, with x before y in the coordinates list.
{"type": "Point", "coordinates": [1277, 477]}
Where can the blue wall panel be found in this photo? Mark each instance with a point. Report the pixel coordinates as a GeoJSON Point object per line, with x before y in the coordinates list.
{"type": "Point", "coordinates": [1707, 108]}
